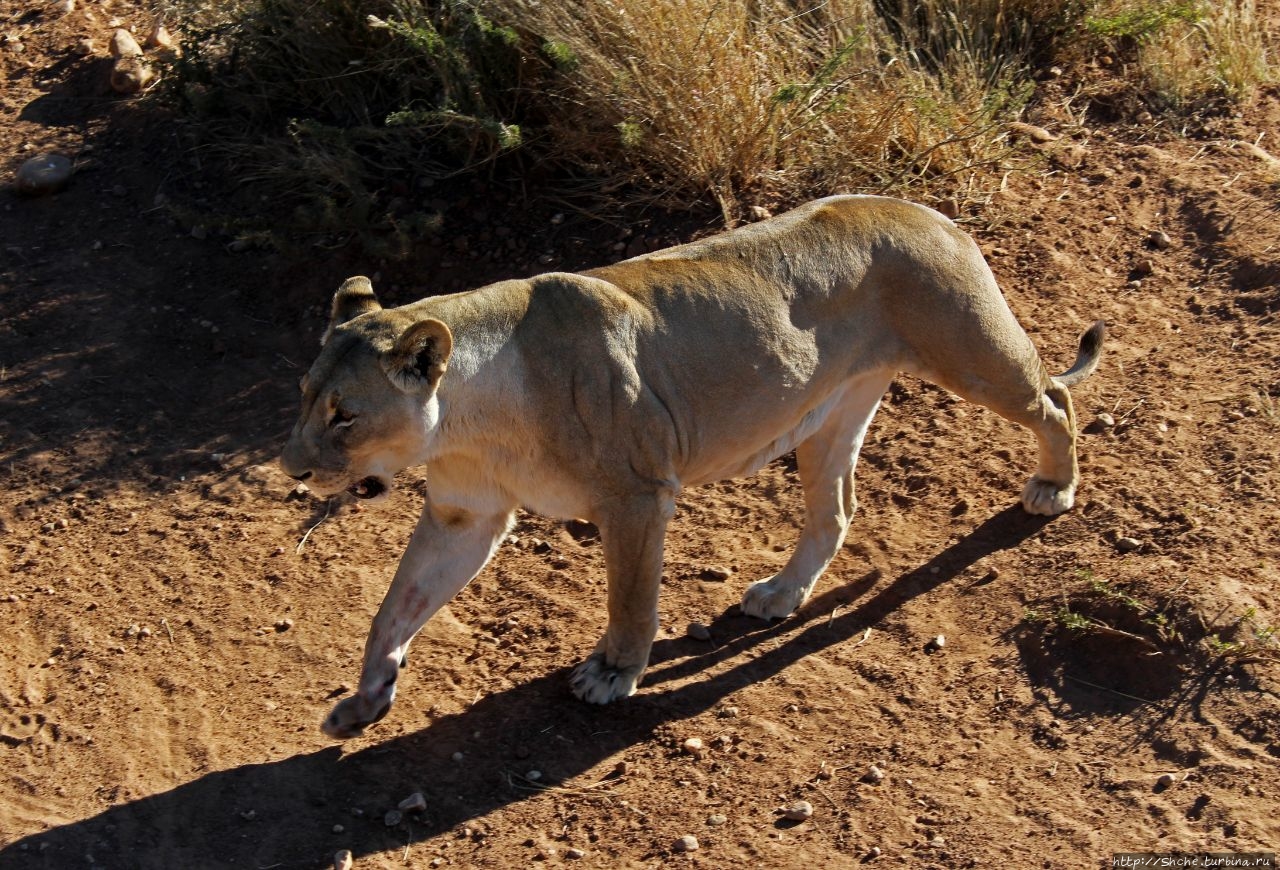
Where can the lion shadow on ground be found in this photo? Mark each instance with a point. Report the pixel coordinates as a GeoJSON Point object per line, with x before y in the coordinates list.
{"type": "Point", "coordinates": [296, 812]}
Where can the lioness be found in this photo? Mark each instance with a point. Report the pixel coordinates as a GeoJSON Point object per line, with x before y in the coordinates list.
{"type": "Point", "coordinates": [603, 394]}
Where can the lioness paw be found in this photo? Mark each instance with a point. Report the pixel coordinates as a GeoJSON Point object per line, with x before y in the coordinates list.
{"type": "Point", "coordinates": [351, 716]}
{"type": "Point", "coordinates": [1046, 498]}
{"type": "Point", "coordinates": [595, 682]}
{"type": "Point", "coordinates": [773, 598]}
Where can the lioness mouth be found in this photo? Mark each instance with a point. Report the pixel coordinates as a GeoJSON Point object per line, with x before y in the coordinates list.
{"type": "Point", "coordinates": [370, 487]}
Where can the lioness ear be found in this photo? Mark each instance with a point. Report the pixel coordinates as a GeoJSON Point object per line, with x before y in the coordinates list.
{"type": "Point", "coordinates": [420, 356]}
{"type": "Point", "coordinates": [354, 297]}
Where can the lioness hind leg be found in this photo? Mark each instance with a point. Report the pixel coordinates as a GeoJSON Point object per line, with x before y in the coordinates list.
{"type": "Point", "coordinates": [632, 531]}
{"type": "Point", "coordinates": [1048, 413]}
{"type": "Point", "coordinates": [826, 462]}
{"type": "Point", "coordinates": [1052, 489]}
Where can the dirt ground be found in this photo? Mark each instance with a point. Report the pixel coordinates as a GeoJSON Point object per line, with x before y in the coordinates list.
{"type": "Point", "coordinates": [176, 621]}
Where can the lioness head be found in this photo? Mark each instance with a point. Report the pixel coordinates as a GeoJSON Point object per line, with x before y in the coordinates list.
{"type": "Point", "coordinates": [369, 403]}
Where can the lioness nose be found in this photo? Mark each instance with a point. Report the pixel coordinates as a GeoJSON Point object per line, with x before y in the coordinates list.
{"type": "Point", "coordinates": [303, 476]}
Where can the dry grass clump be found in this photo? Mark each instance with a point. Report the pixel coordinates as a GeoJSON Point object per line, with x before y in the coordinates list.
{"type": "Point", "coordinates": [343, 109]}
{"type": "Point", "coordinates": [1187, 57]}
{"type": "Point", "coordinates": [736, 98]}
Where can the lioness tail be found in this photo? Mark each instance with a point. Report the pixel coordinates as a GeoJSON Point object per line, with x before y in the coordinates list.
{"type": "Point", "coordinates": [1087, 357]}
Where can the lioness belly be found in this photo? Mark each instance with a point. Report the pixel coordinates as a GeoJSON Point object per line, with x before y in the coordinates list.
{"type": "Point", "coordinates": [746, 457]}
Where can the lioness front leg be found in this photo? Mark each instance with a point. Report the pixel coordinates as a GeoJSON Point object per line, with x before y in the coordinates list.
{"type": "Point", "coordinates": [448, 548]}
{"type": "Point", "coordinates": [632, 532]}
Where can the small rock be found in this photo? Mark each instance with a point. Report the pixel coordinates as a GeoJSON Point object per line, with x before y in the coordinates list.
{"type": "Point", "coordinates": [44, 173]}
{"type": "Point", "coordinates": [62, 7]}
{"type": "Point", "coordinates": [144, 633]}
{"type": "Point", "coordinates": [936, 643]}
{"type": "Point", "coordinates": [557, 219]}
{"type": "Point", "coordinates": [457, 756]}
{"type": "Point", "coordinates": [715, 820]}
{"type": "Point", "coordinates": [284, 624]}
{"type": "Point", "coordinates": [574, 854]}
{"type": "Point", "coordinates": [124, 45]}
{"type": "Point", "coordinates": [338, 829]}
{"type": "Point", "coordinates": [132, 631]}
{"type": "Point", "coordinates": [414, 803]}
{"type": "Point", "coordinates": [687, 843]}
{"type": "Point", "coordinates": [759, 213]}
{"type": "Point", "coordinates": [875, 852]}
{"type": "Point", "coordinates": [727, 713]}
{"type": "Point", "coordinates": [1128, 545]}
{"type": "Point", "coordinates": [1105, 420]}
{"type": "Point", "coordinates": [130, 74]}
{"type": "Point", "coordinates": [533, 775]}
{"type": "Point", "coordinates": [392, 818]}
{"type": "Point", "coordinates": [800, 811]}
{"type": "Point", "coordinates": [159, 37]}
{"type": "Point", "coordinates": [1160, 240]}
{"type": "Point", "coordinates": [1165, 780]}
{"type": "Point", "coordinates": [1143, 267]}
{"type": "Point", "coordinates": [698, 631]}
{"type": "Point", "coordinates": [1031, 132]}
{"type": "Point", "coordinates": [716, 572]}
{"type": "Point", "coordinates": [874, 775]}
{"type": "Point", "coordinates": [342, 859]}
{"type": "Point", "coordinates": [693, 746]}
{"type": "Point", "coordinates": [938, 841]}
{"type": "Point", "coordinates": [86, 47]}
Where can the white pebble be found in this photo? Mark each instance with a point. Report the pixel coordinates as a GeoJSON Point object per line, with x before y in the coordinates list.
{"type": "Point", "coordinates": [533, 775]}
{"type": "Point", "coordinates": [687, 843]}
{"type": "Point", "coordinates": [338, 829]}
{"type": "Point", "coordinates": [342, 859]}
{"type": "Point", "coordinates": [1128, 545]}
{"type": "Point", "coordinates": [875, 852]}
{"type": "Point", "coordinates": [414, 803]}
{"type": "Point", "coordinates": [1165, 780]}
{"type": "Point", "coordinates": [693, 746]}
{"type": "Point", "coordinates": [715, 820]}
{"type": "Point", "coordinates": [1105, 420]}
{"type": "Point", "coordinates": [799, 811]}
{"type": "Point", "coordinates": [457, 756]}
{"type": "Point", "coordinates": [875, 774]}
{"type": "Point", "coordinates": [575, 854]}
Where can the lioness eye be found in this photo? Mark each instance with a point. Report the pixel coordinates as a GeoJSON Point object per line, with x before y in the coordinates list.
{"type": "Point", "coordinates": [341, 419]}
